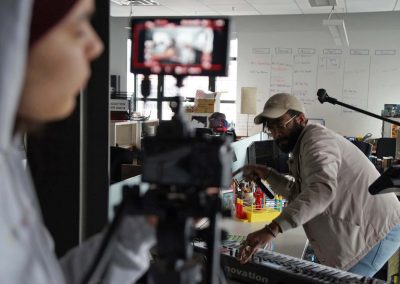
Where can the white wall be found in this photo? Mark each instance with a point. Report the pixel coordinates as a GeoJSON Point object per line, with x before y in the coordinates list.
{"type": "Point", "coordinates": [118, 40]}
{"type": "Point", "coordinates": [367, 81]}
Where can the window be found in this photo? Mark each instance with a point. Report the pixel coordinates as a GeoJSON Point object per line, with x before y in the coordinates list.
{"type": "Point", "coordinates": [226, 85]}
{"type": "Point", "coordinates": [190, 85]}
{"type": "Point", "coordinates": [130, 77]}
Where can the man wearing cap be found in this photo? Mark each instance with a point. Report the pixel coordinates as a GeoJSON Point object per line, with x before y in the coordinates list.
{"type": "Point", "coordinates": [347, 227]}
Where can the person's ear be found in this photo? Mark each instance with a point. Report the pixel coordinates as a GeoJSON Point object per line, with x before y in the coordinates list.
{"type": "Point", "coordinates": [301, 119]}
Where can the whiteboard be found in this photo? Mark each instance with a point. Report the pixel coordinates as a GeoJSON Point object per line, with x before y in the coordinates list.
{"type": "Point", "coordinates": [357, 77]}
{"type": "Point", "coordinates": [303, 58]}
{"type": "Point", "coordinates": [257, 66]}
{"type": "Point", "coordinates": [363, 77]}
{"type": "Point", "coordinates": [355, 82]}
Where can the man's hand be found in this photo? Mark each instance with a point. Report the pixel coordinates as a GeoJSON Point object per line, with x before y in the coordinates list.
{"type": "Point", "coordinates": [253, 172]}
{"type": "Point", "coordinates": [252, 243]}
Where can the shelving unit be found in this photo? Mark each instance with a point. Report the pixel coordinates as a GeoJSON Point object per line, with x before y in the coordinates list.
{"type": "Point", "coordinates": [129, 133]}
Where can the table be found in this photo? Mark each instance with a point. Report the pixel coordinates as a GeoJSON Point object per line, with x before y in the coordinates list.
{"type": "Point", "coordinates": [291, 242]}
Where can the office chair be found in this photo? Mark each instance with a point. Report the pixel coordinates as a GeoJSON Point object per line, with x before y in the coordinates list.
{"type": "Point", "coordinates": [386, 147]}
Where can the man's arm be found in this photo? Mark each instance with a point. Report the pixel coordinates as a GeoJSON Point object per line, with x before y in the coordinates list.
{"type": "Point", "coordinates": [280, 184]}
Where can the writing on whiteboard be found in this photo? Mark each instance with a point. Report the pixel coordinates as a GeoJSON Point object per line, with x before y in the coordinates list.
{"type": "Point", "coordinates": [281, 74]}
{"type": "Point", "coordinates": [359, 51]}
{"type": "Point", "coordinates": [283, 50]}
{"type": "Point", "coordinates": [259, 62]}
{"type": "Point", "coordinates": [304, 78]}
{"type": "Point", "coordinates": [385, 52]}
{"type": "Point", "coordinates": [260, 50]}
{"type": "Point", "coordinates": [332, 51]}
{"type": "Point", "coordinates": [329, 62]}
{"type": "Point", "coordinates": [306, 51]}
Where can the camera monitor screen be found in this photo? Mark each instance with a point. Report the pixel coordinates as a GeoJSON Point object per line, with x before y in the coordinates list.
{"type": "Point", "coordinates": [180, 46]}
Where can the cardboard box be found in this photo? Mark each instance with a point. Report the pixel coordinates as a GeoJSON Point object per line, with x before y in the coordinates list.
{"type": "Point", "coordinates": [205, 105]}
{"type": "Point", "coordinates": [393, 268]}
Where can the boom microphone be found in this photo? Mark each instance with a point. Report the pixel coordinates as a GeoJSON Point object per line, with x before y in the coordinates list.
{"type": "Point", "coordinates": [323, 97]}
{"type": "Point", "coordinates": [390, 179]}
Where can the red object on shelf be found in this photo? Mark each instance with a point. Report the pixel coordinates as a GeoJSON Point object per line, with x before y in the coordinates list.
{"type": "Point", "coordinates": [239, 210]}
{"type": "Point", "coordinates": [258, 195]}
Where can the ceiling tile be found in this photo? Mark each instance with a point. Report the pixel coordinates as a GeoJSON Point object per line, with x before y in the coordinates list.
{"type": "Point", "coordinates": [240, 13]}
{"type": "Point", "coordinates": [306, 8]}
{"type": "Point", "coordinates": [354, 6]}
{"type": "Point", "coordinates": [177, 2]}
{"type": "Point", "coordinates": [222, 2]}
{"type": "Point", "coordinates": [323, 10]}
{"type": "Point", "coordinates": [123, 11]}
{"type": "Point", "coordinates": [269, 2]}
{"type": "Point", "coordinates": [252, 7]}
{"type": "Point", "coordinates": [188, 8]}
{"type": "Point", "coordinates": [203, 13]}
{"type": "Point", "coordinates": [277, 9]}
{"type": "Point", "coordinates": [231, 8]}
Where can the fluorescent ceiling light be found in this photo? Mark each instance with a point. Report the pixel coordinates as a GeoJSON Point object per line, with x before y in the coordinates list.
{"type": "Point", "coordinates": [322, 3]}
{"type": "Point", "coordinates": [338, 31]}
{"type": "Point", "coordinates": [136, 2]}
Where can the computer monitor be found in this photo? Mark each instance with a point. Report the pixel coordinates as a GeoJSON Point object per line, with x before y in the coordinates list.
{"type": "Point", "coordinates": [195, 46]}
{"type": "Point", "coordinates": [240, 149]}
{"type": "Point", "coordinates": [267, 153]}
{"type": "Point", "coordinates": [386, 147]}
{"type": "Point", "coordinates": [201, 131]}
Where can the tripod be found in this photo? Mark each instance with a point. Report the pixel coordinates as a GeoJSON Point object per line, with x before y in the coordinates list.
{"type": "Point", "coordinates": [180, 167]}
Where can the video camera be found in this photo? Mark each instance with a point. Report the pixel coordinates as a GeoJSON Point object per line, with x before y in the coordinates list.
{"type": "Point", "coordinates": [187, 161]}
{"type": "Point", "coordinates": [195, 46]}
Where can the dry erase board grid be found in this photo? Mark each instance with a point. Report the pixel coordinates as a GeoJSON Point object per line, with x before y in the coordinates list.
{"type": "Point", "coordinates": [354, 75]}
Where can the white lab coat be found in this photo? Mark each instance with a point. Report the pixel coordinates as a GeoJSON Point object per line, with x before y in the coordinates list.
{"type": "Point", "coordinates": [26, 248]}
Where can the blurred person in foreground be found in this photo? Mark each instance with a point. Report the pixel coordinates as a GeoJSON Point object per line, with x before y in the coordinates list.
{"type": "Point", "coordinates": [45, 62]}
{"type": "Point", "coordinates": [327, 192]}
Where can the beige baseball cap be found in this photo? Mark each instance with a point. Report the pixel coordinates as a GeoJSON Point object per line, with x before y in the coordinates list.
{"type": "Point", "coordinates": [278, 105]}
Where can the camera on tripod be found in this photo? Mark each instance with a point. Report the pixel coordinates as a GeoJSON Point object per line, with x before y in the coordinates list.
{"type": "Point", "coordinates": [183, 169]}
{"type": "Point", "coordinates": [179, 165]}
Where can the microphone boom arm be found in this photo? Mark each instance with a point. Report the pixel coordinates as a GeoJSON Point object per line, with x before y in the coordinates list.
{"type": "Point", "coordinates": [389, 181]}
{"type": "Point", "coordinates": [323, 97]}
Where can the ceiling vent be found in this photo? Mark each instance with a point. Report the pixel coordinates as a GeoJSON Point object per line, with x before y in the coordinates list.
{"type": "Point", "coordinates": [136, 2]}
{"type": "Point", "coordinates": [322, 3]}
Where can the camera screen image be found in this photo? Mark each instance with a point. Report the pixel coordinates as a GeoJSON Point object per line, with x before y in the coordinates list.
{"type": "Point", "coordinates": [179, 46]}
